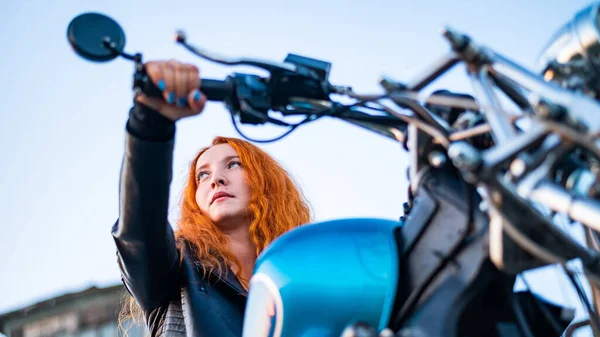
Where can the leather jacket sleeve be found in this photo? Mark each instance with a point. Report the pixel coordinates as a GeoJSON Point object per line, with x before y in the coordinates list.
{"type": "Point", "coordinates": [146, 250]}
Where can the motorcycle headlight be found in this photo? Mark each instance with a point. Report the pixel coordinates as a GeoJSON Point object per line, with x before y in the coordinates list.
{"type": "Point", "coordinates": [264, 309]}
{"type": "Point", "coordinates": [572, 56]}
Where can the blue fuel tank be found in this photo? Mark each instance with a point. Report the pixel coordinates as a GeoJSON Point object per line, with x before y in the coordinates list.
{"type": "Point", "coordinates": [316, 279]}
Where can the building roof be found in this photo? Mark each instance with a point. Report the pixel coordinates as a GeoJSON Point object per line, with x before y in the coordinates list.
{"type": "Point", "coordinates": [55, 301]}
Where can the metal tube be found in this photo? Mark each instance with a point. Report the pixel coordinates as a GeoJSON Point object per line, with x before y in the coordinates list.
{"type": "Point", "coordinates": [581, 210]}
{"type": "Point", "coordinates": [444, 64]}
{"type": "Point", "coordinates": [591, 237]}
{"type": "Point", "coordinates": [571, 328]}
{"type": "Point", "coordinates": [586, 211]}
{"type": "Point", "coordinates": [511, 148]}
{"type": "Point", "coordinates": [502, 128]}
{"type": "Point", "coordinates": [581, 107]}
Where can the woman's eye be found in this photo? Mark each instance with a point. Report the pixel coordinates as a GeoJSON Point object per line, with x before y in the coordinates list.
{"type": "Point", "coordinates": [234, 163]}
{"type": "Point", "coordinates": [202, 175]}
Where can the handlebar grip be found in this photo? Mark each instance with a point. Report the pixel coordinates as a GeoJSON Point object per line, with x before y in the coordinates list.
{"type": "Point", "coordinates": [215, 90]}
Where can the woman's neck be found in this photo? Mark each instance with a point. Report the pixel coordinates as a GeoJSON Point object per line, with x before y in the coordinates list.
{"type": "Point", "coordinates": [244, 250]}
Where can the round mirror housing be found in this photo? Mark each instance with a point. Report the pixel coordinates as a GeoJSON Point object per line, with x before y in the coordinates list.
{"type": "Point", "coordinates": [96, 37]}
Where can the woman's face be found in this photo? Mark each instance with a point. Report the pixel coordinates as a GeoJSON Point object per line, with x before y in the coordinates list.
{"type": "Point", "coordinates": [222, 192]}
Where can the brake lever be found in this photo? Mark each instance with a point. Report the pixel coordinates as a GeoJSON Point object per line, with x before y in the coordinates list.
{"type": "Point", "coordinates": [222, 59]}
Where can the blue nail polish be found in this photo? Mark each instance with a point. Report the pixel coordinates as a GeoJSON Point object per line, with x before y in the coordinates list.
{"type": "Point", "coordinates": [197, 96]}
{"type": "Point", "coordinates": [171, 98]}
{"type": "Point", "coordinates": [161, 85]}
{"type": "Point", "coordinates": [181, 102]}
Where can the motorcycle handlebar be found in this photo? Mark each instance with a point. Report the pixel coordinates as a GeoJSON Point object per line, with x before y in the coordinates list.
{"type": "Point", "coordinates": [215, 90]}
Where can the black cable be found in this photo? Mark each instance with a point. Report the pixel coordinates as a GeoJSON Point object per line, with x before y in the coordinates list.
{"type": "Point", "coordinates": [293, 127]}
{"type": "Point", "coordinates": [332, 112]}
{"type": "Point", "coordinates": [543, 308]}
{"type": "Point", "coordinates": [520, 315]}
{"type": "Point", "coordinates": [594, 324]}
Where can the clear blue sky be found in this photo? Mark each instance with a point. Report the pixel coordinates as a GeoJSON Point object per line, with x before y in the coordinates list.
{"type": "Point", "coordinates": [63, 118]}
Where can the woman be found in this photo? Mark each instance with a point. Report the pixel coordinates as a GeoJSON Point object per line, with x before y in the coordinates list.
{"type": "Point", "coordinates": [193, 282]}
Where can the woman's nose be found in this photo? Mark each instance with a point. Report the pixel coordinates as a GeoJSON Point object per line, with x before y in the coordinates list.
{"type": "Point", "coordinates": [218, 180]}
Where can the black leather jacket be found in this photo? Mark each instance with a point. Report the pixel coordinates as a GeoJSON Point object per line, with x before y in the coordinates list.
{"type": "Point", "coordinates": [176, 300]}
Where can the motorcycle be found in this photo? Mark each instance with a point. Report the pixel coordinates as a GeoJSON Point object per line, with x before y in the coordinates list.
{"type": "Point", "coordinates": [485, 186]}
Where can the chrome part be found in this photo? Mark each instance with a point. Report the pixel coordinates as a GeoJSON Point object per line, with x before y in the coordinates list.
{"type": "Point", "coordinates": [518, 167]}
{"type": "Point", "coordinates": [359, 330]}
{"type": "Point", "coordinates": [556, 198]}
{"type": "Point", "coordinates": [437, 159]}
{"type": "Point", "coordinates": [386, 333]}
{"type": "Point", "coordinates": [580, 109]}
{"type": "Point", "coordinates": [443, 65]}
{"type": "Point", "coordinates": [502, 128]}
{"type": "Point", "coordinates": [571, 58]}
{"type": "Point", "coordinates": [464, 156]}
{"type": "Point", "coordinates": [581, 182]}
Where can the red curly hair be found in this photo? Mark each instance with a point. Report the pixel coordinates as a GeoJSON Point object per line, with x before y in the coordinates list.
{"type": "Point", "coordinates": [276, 206]}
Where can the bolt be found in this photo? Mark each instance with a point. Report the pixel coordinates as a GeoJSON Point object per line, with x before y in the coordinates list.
{"type": "Point", "coordinates": [436, 159]}
{"type": "Point", "coordinates": [386, 333]}
{"type": "Point", "coordinates": [411, 332]}
{"type": "Point", "coordinates": [518, 167]}
{"type": "Point", "coordinates": [464, 156]}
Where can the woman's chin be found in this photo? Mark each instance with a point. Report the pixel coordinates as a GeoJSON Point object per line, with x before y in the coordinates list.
{"type": "Point", "coordinates": [229, 219]}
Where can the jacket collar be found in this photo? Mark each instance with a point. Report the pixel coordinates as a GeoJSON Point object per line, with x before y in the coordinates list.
{"type": "Point", "coordinates": [228, 278]}
{"type": "Point", "coordinates": [232, 281]}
